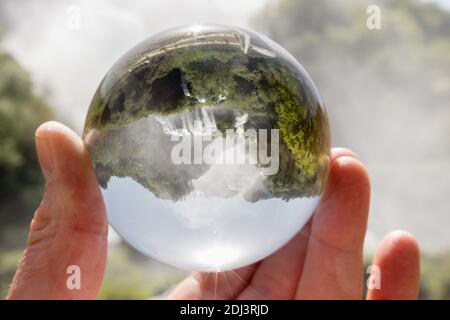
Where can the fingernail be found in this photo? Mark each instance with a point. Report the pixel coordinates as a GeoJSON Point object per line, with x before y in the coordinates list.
{"type": "Point", "coordinates": [45, 156]}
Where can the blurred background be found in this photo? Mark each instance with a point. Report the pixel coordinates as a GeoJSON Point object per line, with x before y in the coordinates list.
{"type": "Point", "coordinates": [387, 93]}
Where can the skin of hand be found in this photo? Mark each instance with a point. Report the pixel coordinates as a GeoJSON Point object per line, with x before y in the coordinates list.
{"type": "Point", "coordinates": [323, 261]}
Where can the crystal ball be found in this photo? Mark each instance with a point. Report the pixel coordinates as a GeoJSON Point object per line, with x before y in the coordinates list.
{"type": "Point", "coordinates": [211, 146]}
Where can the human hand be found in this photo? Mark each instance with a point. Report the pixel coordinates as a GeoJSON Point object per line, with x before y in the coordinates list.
{"type": "Point", "coordinates": [324, 261]}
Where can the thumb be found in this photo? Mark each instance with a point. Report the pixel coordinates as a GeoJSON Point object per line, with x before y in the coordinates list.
{"type": "Point", "coordinates": [67, 242]}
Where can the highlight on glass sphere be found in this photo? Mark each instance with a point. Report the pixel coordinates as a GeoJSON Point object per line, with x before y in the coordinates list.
{"type": "Point", "coordinates": [211, 147]}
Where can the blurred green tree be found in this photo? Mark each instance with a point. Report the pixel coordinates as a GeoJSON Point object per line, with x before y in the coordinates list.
{"type": "Point", "coordinates": [21, 112]}
{"type": "Point", "coordinates": [406, 64]}
{"type": "Point", "coordinates": [21, 183]}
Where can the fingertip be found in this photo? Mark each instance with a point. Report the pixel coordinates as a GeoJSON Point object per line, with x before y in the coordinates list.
{"type": "Point", "coordinates": [398, 257]}
{"type": "Point", "coordinates": [343, 212]}
{"type": "Point", "coordinates": [399, 249]}
{"type": "Point", "coordinates": [49, 127]}
{"type": "Point", "coordinates": [401, 241]}
{"type": "Point", "coordinates": [347, 171]}
{"type": "Point", "coordinates": [61, 152]}
{"type": "Point", "coordinates": [72, 192]}
{"type": "Point", "coordinates": [59, 134]}
{"type": "Point", "coordinates": [340, 152]}
{"type": "Point", "coordinates": [67, 167]}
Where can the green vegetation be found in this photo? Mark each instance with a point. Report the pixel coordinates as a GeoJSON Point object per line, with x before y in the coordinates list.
{"type": "Point", "coordinates": [21, 112]}
{"type": "Point", "coordinates": [21, 183]}
{"type": "Point", "coordinates": [309, 150]}
{"type": "Point", "coordinates": [435, 276]}
{"type": "Point", "coordinates": [407, 58]}
{"type": "Point", "coordinates": [271, 91]}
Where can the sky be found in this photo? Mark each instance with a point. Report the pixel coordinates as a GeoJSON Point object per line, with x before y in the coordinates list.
{"type": "Point", "coordinates": [443, 3]}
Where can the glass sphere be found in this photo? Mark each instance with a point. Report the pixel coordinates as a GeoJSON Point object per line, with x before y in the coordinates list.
{"type": "Point", "coordinates": [211, 146]}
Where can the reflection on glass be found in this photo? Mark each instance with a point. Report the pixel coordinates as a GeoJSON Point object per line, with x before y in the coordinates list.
{"type": "Point", "coordinates": [210, 144]}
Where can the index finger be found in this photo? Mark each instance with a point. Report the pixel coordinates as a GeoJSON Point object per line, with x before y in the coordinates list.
{"type": "Point", "coordinates": [333, 263]}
